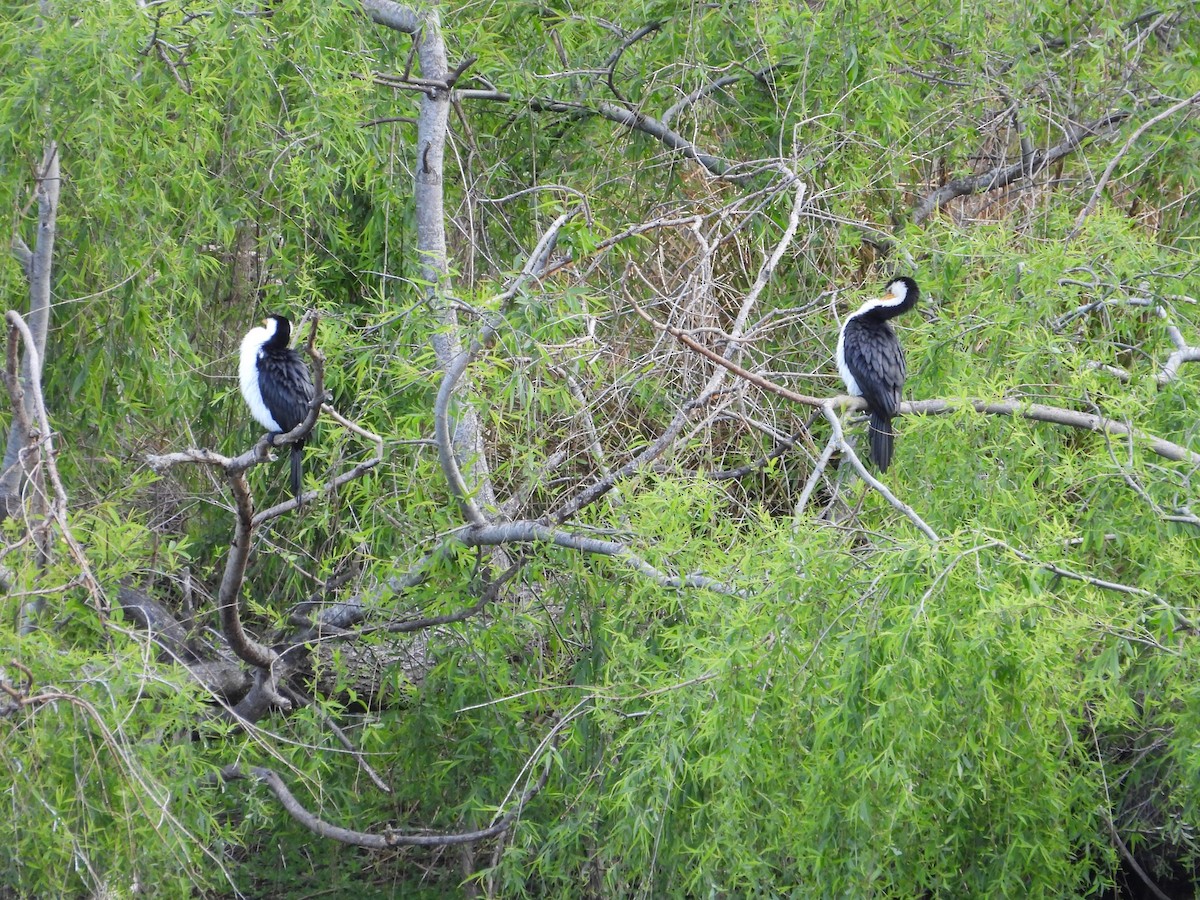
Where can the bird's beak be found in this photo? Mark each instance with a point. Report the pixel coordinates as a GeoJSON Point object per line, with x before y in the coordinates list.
{"type": "Point", "coordinates": [266, 323]}
{"type": "Point", "coordinates": [889, 296]}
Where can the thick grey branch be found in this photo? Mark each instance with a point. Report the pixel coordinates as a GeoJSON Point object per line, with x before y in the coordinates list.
{"type": "Point", "coordinates": [639, 121]}
{"type": "Point", "coordinates": [58, 504]}
{"type": "Point", "coordinates": [38, 265]}
{"type": "Point", "coordinates": [1054, 415]}
{"type": "Point", "coordinates": [398, 16]}
{"type": "Point", "coordinates": [1002, 176]}
{"type": "Point", "coordinates": [527, 532]}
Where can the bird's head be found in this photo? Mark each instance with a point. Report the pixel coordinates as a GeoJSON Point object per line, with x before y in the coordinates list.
{"type": "Point", "coordinates": [900, 289]}
{"type": "Point", "coordinates": [279, 329]}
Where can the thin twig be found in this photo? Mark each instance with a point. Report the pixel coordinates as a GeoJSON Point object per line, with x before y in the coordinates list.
{"type": "Point", "coordinates": [58, 504]}
{"type": "Point", "coordinates": [817, 472]}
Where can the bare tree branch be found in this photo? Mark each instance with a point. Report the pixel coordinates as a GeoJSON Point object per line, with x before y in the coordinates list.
{"type": "Point", "coordinates": [1090, 206]}
{"type": "Point", "coordinates": [38, 265]}
{"type": "Point", "coordinates": [397, 16]}
{"type": "Point", "coordinates": [673, 140]}
{"type": "Point", "coordinates": [429, 201]}
{"type": "Point", "coordinates": [58, 502]}
{"type": "Point", "coordinates": [610, 64]}
{"type": "Point", "coordinates": [388, 838]}
{"type": "Point", "coordinates": [818, 470]}
{"type": "Point", "coordinates": [1054, 415]}
{"type": "Point", "coordinates": [1004, 175]}
{"type": "Point", "coordinates": [878, 486]}
{"type": "Point", "coordinates": [528, 532]}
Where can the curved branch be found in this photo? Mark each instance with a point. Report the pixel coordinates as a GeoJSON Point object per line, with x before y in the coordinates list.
{"type": "Point", "coordinates": [229, 592]}
{"type": "Point", "coordinates": [534, 266]}
{"type": "Point", "coordinates": [58, 505]}
{"type": "Point", "coordinates": [398, 16]}
{"type": "Point", "coordinates": [388, 838]}
{"type": "Point", "coordinates": [610, 64]}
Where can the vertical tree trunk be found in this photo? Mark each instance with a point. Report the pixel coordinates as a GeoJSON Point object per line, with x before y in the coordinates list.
{"type": "Point", "coordinates": [38, 265]}
{"type": "Point", "coordinates": [429, 193]}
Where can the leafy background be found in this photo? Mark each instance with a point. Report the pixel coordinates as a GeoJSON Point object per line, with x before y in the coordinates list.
{"type": "Point", "coordinates": [873, 714]}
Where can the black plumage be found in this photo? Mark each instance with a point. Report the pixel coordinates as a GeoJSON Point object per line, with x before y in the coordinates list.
{"type": "Point", "coordinates": [277, 385]}
{"type": "Point", "coordinates": [871, 362]}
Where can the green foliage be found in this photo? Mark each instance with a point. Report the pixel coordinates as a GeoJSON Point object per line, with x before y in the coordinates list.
{"type": "Point", "coordinates": [103, 790]}
{"type": "Point", "coordinates": [870, 715]}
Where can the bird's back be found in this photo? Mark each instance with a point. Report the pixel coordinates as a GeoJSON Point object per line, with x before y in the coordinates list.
{"type": "Point", "coordinates": [286, 386]}
{"type": "Point", "coordinates": [873, 356]}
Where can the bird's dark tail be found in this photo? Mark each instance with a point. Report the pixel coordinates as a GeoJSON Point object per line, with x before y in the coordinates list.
{"type": "Point", "coordinates": [882, 436]}
{"type": "Point", "coordinates": [297, 469]}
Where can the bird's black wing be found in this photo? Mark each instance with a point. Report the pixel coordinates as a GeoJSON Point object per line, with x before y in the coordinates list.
{"type": "Point", "coordinates": [874, 358]}
{"type": "Point", "coordinates": [286, 387]}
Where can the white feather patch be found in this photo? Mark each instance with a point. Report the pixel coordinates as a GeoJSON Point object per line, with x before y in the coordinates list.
{"type": "Point", "coordinates": [852, 387]}
{"type": "Point", "coordinates": [252, 345]}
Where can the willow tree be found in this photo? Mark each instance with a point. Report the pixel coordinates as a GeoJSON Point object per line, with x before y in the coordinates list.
{"type": "Point", "coordinates": [590, 585]}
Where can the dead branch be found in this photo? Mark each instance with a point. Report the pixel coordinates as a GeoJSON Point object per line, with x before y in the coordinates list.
{"type": "Point", "coordinates": [1056, 416]}
{"type": "Point", "coordinates": [713, 386]}
{"type": "Point", "coordinates": [610, 64]}
{"type": "Point", "coordinates": [387, 838]}
{"type": "Point", "coordinates": [817, 472]}
{"type": "Point", "coordinates": [398, 16]}
{"type": "Point", "coordinates": [673, 140]}
{"type": "Point", "coordinates": [529, 532]}
{"type": "Point", "coordinates": [1004, 175]}
{"type": "Point", "coordinates": [38, 265]}
{"type": "Point", "coordinates": [1090, 206]}
{"type": "Point", "coordinates": [58, 501]}
{"type": "Point", "coordinates": [1183, 352]}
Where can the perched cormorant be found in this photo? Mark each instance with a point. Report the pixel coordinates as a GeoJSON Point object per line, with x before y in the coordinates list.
{"type": "Point", "coordinates": [276, 384]}
{"type": "Point", "coordinates": [871, 362]}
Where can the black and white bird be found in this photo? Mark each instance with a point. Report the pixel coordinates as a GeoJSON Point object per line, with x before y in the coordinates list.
{"type": "Point", "coordinates": [276, 384]}
{"type": "Point", "coordinates": [871, 362]}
